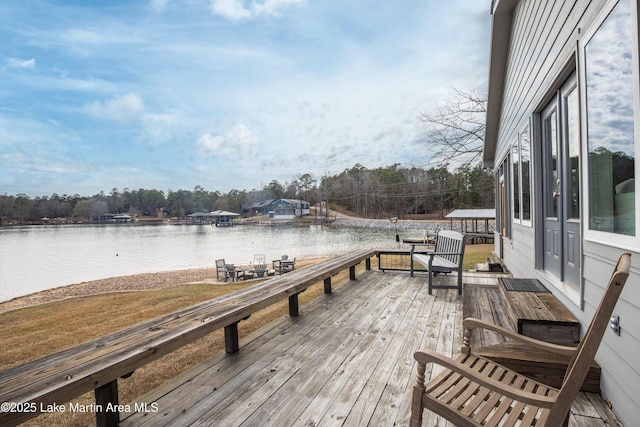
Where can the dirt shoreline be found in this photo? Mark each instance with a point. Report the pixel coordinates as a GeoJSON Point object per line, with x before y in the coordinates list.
{"type": "Point", "coordinates": [135, 282]}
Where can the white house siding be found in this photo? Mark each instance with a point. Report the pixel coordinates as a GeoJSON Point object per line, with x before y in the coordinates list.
{"type": "Point", "coordinates": [519, 251]}
{"type": "Point", "coordinates": [618, 355]}
{"type": "Point", "coordinates": [541, 56]}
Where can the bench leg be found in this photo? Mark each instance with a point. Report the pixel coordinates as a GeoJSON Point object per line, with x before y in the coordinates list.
{"type": "Point", "coordinates": [367, 264]}
{"type": "Point", "coordinates": [105, 395]}
{"type": "Point", "coordinates": [352, 272]}
{"type": "Point", "coordinates": [293, 305]}
{"type": "Point", "coordinates": [327, 285]}
{"type": "Point", "coordinates": [231, 338]}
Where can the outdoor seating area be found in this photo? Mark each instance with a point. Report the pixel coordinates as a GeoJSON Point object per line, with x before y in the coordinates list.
{"type": "Point", "coordinates": [258, 268]}
{"type": "Point", "coordinates": [358, 369]}
{"type": "Point", "coordinates": [284, 264]}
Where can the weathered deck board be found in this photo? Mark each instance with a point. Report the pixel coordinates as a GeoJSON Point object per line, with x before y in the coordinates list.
{"type": "Point", "coordinates": [347, 360]}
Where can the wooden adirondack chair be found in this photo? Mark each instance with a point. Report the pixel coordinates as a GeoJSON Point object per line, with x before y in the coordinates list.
{"type": "Point", "coordinates": [474, 391]}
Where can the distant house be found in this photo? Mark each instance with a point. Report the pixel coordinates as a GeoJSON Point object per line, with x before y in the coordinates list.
{"type": "Point", "coordinates": [256, 208]}
{"type": "Point", "coordinates": [562, 130]}
{"type": "Point", "coordinates": [288, 209]}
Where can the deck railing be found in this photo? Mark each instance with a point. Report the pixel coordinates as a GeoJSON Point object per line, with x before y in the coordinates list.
{"type": "Point", "coordinates": [96, 365]}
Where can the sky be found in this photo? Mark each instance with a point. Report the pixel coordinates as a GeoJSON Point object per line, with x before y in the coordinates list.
{"type": "Point", "coordinates": [224, 94]}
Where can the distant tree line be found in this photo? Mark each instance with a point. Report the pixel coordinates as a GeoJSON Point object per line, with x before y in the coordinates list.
{"type": "Point", "coordinates": [396, 191]}
{"type": "Point", "coordinates": [391, 191]}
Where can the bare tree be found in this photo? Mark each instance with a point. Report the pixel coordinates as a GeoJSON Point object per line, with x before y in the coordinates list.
{"type": "Point", "coordinates": [456, 128]}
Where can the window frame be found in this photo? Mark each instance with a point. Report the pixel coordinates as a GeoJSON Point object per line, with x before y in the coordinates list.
{"type": "Point", "coordinates": [526, 222]}
{"type": "Point", "coordinates": [516, 177]}
{"type": "Point", "coordinates": [504, 176]}
{"type": "Point", "coordinates": [517, 182]}
{"type": "Point", "coordinates": [596, 236]}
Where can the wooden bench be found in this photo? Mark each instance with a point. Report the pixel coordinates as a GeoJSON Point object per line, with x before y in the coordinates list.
{"type": "Point", "coordinates": [446, 257]}
{"type": "Point", "coordinates": [97, 364]}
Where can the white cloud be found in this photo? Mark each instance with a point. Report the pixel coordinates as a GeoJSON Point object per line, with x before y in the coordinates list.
{"type": "Point", "coordinates": [210, 144]}
{"type": "Point", "coordinates": [21, 63]}
{"type": "Point", "coordinates": [119, 108]}
{"type": "Point", "coordinates": [158, 6]}
{"type": "Point", "coordinates": [230, 9]}
{"type": "Point", "coordinates": [241, 137]}
{"type": "Point", "coordinates": [271, 7]}
{"type": "Point", "coordinates": [238, 140]}
{"type": "Point", "coordinates": [235, 9]}
{"type": "Point", "coordinates": [155, 119]}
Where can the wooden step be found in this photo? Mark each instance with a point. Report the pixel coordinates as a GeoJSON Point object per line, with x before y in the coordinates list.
{"type": "Point", "coordinates": [493, 265]}
{"type": "Point", "coordinates": [536, 313]}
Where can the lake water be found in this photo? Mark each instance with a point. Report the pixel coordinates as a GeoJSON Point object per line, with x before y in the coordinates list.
{"type": "Point", "coordinates": [35, 258]}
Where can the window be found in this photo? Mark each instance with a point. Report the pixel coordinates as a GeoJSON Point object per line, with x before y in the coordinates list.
{"type": "Point", "coordinates": [550, 150]}
{"type": "Point", "coordinates": [572, 136]}
{"type": "Point", "coordinates": [515, 159]}
{"type": "Point", "coordinates": [609, 108]}
{"type": "Point", "coordinates": [521, 169]}
{"type": "Point", "coordinates": [505, 218]}
{"type": "Point", "coordinates": [525, 173]}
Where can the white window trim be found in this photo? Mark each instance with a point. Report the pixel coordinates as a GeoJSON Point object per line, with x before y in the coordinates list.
{"type": "Point", "coordinates": [515, 148]}
{"type": "Point", "coordinates": [611, 239]}
{"type": "Point", "coordinates": [506, 177]}
{"type": "Point", "coordinates": [526, 222]}
{"type": "Point", "coordinates": [518, 147]}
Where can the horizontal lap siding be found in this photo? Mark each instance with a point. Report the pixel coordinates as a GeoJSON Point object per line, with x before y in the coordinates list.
{"type": "Point", "coordinates": [520, 252]}
{"type": "Point", "coordinates": [619, 356]}
{"type": "Point", "coordinates": [543, 45]}
{"type": "Point", "coordinates": [545, 40]}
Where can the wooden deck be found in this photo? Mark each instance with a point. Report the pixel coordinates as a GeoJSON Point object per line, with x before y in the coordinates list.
{"type": "Point", "coordinates": [346, 360]}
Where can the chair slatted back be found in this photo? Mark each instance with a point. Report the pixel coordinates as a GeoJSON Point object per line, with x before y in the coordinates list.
{"type": "Point", "coordinates": [588, 347]}
{"type": "Point", "coordinates": [452, 243]}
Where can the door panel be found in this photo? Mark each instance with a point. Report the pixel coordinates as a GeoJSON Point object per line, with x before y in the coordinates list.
{"type": "Point", "coordinates": [561, 185]}
{"type": "Point", "coordinates": [571, 182]}
{"type": "Point", "coordinates": [503, 217]}
{"type": "Point", "coordinates": [552, 257]}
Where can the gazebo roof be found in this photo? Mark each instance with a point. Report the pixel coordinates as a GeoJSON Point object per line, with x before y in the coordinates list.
{"type": "Point", "coordinates": [219, 213]}
{"type": "Point", "coordinates": [472, 214]}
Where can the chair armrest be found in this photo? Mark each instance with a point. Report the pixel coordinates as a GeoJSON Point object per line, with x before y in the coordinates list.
{"type": "Point", "coordinates": [470, 323]}
{"type": "Point", "coordinates": [425, 356]}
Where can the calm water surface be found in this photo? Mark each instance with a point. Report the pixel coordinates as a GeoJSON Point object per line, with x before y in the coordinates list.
{"type": "Point", "coordinates": [36, 258]}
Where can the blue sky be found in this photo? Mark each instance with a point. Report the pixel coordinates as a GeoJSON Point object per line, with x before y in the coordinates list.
{"type": "Point", "coordinates": [170, 94]}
